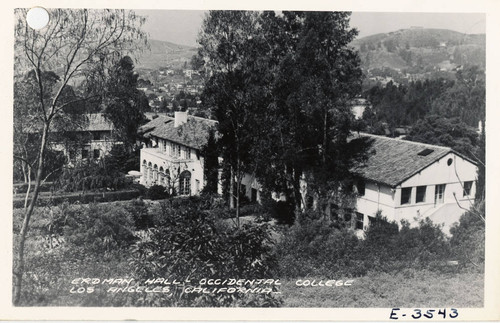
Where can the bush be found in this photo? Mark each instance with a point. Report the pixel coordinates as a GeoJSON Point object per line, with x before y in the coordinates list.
{"type": "Point", "coordinates": [157, 192]}
{"type": "Point", "coordinates": [98, 227]}
{"type": "Point", "coordinates": [82, 198]}
{"type": "Point", "coordinates": [315, 245]}
{"type": "Point", "coordinates": [189, 243]}
{"type": "Point", "coordinates": [91, 176]}
{"type": "Point", "coordinates": [139, 211]}
{"type": "Point", "coordinates": [468, 239]}
{"type": "Point", "coordinates": [282, 211]}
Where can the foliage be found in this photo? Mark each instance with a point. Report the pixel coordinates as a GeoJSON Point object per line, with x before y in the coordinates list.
{"type": "Point", "coordinates": [123, 103]}
{"type": "Point", "coordinates": [446, 131]}
{"type": "Point", "coordinates": [76, 44]}
{"type": "Point", "coordinates": [91, 176]}
{"type": "Point", "coordinates": [121, 159]}
{"type": "Point", "coordinates": [314, 74]}
{"type": "Point", "coordinates": [294, 71]}
{"type": "Point", "coordinates": [317, 246]}
{"type": "Point", "coordinates": [83, 198]}
{"type": "Point", "coordinates": [140, 214]}
{"type": "Point", "coordinates": [466, 99]}
{"type": "Point", "coordinates": [188, 244]}
{"type": "Point", "coordinates": [211, 164]}
{"type": "Point", "coordinates": [468, 237]}
{"type": "Point", "coordinates": [157, 192]}
{"type": "Point", "coordinates": [399, 105]}
{"type": "Point", "coordinates": [98, 227]}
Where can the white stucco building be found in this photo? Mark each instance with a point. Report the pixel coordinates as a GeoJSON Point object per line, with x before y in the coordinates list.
{"type": "Point", "coordinates": [173, 156]}
{"type": "Point", "coordinates": [411, 181]}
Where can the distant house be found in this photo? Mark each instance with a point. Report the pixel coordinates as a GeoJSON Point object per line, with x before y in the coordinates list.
{"type": "Point", "coordinates": [411, 181]}
{"type": "Point", "coordinates": [92, 138]}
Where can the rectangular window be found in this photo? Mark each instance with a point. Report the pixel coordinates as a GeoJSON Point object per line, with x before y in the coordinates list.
{"type": "Point", "coordinates": [85, 153]}
{"type": "Point", "coordinates": [359, 221]}
{"type": "Point", "coordinates": [97, 153]}
{"type": "Point", "coordinates": [96, 135]}
{"type": "Point", "coordinates": [439, 193]}
{"type": "Point", "coordinates": [361, 188]}
{"type": "Point", "coordinates": [405, 195]}
{"type": "Point", "coordinates": [421, 194]}
{"type": "Point", "coordinates": [178, 151]}
{"type": "Point", "coordinates": [187, 153]}
{"type": "Point", "coordinates": [467, 188]}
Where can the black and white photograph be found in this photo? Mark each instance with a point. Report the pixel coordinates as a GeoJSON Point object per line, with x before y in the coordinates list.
{"type": "Point", "coordinates": [253, 159]}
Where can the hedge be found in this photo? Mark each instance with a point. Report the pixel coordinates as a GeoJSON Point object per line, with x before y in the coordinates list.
{"type": "Point", "coordinates": [83, 198]}
{"type": "Point", "coordinates": [23, 187]}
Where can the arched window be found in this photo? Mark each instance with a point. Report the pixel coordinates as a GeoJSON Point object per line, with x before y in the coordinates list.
{"type": "Point", "coordinates": [185, 183]}
{"type": "Point", "coordinates": [150, 172]}
{"type": "Point", "coordinates": [144, 169]}
{"type": "Point", "coordinates": [155, 173]}
{"type": "Point", "coordinates": [161, 177]}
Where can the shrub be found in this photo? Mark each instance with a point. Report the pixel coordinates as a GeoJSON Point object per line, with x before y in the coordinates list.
{"type": "Point", "coordinates": [83, 198]}
{"type": "Point", "coordinates": [157, 192]}
{"type": "Point", "coordinates": [189, 243]}
{"type": "Point", "coordinates": [139, 212]}
{"type": "Point", "coordinates": [91, 176]}
{"type": "Point", "coordinates": [468, 239]}
{"type": "Point", "coordinates": [98, 227]}
{"type": "Point", "coordinates": [315, 245]}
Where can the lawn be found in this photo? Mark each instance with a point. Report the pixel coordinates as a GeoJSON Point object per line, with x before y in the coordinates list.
{"type": "Point", "coordinates": [411, 288]}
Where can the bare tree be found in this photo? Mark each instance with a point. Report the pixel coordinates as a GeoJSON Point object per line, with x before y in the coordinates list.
{"type": "Point", "coordinates": [74, 45]}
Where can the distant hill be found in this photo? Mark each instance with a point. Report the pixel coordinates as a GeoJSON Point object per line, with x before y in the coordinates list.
{"type": "Point", "coordinates": [420, 51]}
{"type": "Point", "coordinates": [164, 54]}
{"type": "Point", "coordinates": [414, 53]}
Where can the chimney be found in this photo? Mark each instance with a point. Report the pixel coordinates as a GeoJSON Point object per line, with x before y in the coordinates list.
{"type": "Point", "coordinates": [180, 118]}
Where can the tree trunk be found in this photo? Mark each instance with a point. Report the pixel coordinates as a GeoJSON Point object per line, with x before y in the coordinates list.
{"type": "Point", "coordinates": [28, 189]}
{"type": "Point", "coordinates": [238, 188]}
{"type": "Point", "coordinates": [231, 188]}
{"type": "Point", "coordinates": [296, 191]}
{"type": "Point", "coordinates": [19, 269]}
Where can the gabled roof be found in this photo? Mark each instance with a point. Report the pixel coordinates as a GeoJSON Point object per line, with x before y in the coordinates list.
{"type": "Point", "coordinates": [98, 122]}
{"type": "Point", "coordinates": [391, 161]}
{"type": "Point", "coordinates": [194, 133]}
{"type": "Point", "coordinates": [77, 123]}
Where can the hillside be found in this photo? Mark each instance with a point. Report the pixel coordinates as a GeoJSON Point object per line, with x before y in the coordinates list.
{"type": "Point", "coordinates": [415, 53]}
{"type": "Point", "coordinates": [418, 53]}
{"type": "Point", "coordinates": [164, 54]}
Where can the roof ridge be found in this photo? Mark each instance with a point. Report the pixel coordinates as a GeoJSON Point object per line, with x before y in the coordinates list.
{"type": "Point", "coordinates": [406, 141]}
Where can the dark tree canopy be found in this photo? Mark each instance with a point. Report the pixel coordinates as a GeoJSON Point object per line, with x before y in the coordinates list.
{"type": "Point", "coordinates": [123, 103]}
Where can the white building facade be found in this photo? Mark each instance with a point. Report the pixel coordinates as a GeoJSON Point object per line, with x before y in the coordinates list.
{"type": "Point", "coordinates": [173, 155]}
{"type": "Point", "coordinates": [411, 181]}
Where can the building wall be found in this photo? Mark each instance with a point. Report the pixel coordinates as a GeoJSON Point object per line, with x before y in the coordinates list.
{"type": "Point", "coordinates": [103, 145]}
{"type": "Point", "coordinates": [252, 187]}
{"type": "Point", "coordinates": [156, 164]}
{"type": "Point", "coordinates": [377, 197]}
{"type": "Point", "coordinates": [451, 170]}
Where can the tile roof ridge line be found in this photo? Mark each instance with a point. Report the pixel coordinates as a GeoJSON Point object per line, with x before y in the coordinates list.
{"type": "Point", "coordinates": [408, 141]}
{"type": "Point", "coordinates": [204, 119]}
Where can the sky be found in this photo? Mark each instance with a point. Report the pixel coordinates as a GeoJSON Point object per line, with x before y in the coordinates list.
{"type": "Point", "coordinates": [182, 26]}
